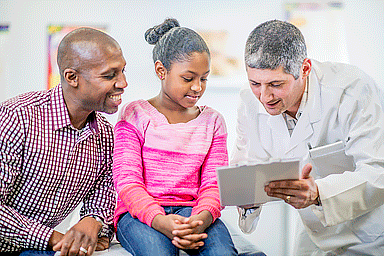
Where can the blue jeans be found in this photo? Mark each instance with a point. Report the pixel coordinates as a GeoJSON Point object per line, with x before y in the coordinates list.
{"type": "Point", "coordinates": [35, 253]}
{"type": "Point", "coordinates": [140, 239]}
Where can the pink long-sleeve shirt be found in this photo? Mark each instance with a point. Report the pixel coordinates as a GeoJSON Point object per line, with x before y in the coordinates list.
{"type": "Point", "coordinates": [160, 164]}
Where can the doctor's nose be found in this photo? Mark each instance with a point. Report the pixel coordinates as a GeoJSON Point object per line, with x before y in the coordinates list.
{"type": "Point", "coordinates": [265, 94]}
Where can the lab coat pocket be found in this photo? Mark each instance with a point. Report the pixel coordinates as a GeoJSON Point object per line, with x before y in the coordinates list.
{"type": "Point", "coordinates": [330, 159]}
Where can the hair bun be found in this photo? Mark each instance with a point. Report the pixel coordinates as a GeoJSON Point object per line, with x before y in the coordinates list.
{"type": "Point", "coordinates": [153, 35]}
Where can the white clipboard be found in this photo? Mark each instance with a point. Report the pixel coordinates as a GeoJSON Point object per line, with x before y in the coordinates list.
{"type": "Point", "coordinates": [331, 159]}
{"type": "Point", "coordinates": [244, 185]}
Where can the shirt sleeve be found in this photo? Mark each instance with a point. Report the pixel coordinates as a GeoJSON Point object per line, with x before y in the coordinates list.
{"type": "Point", "coordinates": [101, 199]}
{"type": "Point", "coordinates": [128, 174]}
{"type": "Point", "coordinates": [208, 194]}
{"type": "Point", "coordinates": [17, 230]}
{"type": "Point", "coordinates": [241, 147]}
{"type": "Point", "coordinates": [349, 195]}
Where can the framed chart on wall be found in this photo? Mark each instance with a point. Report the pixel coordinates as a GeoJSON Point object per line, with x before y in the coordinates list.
{"type": "Point", "coordinates": [55, 35]}
{"type": "Point", "coordinates": [227, 67]}
{"type": "Point", "coordinates": [323, 26]}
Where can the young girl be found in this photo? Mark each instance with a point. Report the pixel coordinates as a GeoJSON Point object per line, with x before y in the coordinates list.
{"type": "Point", "coordinates": [166, 153]}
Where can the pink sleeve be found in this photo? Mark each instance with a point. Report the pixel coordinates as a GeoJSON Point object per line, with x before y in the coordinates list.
{"type": "Point", "coordinates": [128, 174]}
{"type": "Point", "coordinates": [208, 195]}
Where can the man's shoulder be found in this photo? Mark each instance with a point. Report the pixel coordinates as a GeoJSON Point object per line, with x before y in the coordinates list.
{"type": "Point", "coordinates": [340, 75]}
{"type": "Point", "coordinates": [25, 100]}
{"type": "Point", "coordinates": [336, 67]}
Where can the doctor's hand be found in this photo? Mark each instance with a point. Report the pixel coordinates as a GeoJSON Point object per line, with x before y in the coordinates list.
{"type": "Point", "coordinates": [298, 193]}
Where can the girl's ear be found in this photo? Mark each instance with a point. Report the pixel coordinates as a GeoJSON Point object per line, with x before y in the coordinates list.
{"type": "Point", "coordinates": [160, 70]}
{"type": "Point", "coordinates": [71, 77]}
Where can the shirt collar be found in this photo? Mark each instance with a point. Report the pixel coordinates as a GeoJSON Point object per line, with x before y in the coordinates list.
{"type": "Point", "coordinates": [60, 115]}
{"type": "Point", "coordinates": [303, 103]}
{"type": "Point", "coordinates": [92, 123]}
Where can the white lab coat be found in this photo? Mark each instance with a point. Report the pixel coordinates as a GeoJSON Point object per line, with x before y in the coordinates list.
{"type": "Point", "coordinates": [343, 104]}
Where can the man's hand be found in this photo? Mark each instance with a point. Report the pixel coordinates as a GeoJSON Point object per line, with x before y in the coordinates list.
{"type": "Point", "coordinates": [102, 243]}
{"type": "Point", "coordinates": [298, 193]}
{"type": "Point", "coordinates": [54, 239]}
{"type": "Point", "coordinates": [189, 234]}
{"type": "Point", "coordinates": [81, 239]}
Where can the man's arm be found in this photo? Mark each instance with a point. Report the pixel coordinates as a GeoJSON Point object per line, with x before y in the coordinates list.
{"type": "Point", "coordinates": [348, 195]}
{"type": "Point", "coordinates": [351, 194]}
{"type": "Point", "coordinates": [248, 214]}
{"type": "Point", "coordinates": [17, 230]}
{"type": "Point", "coordinates": [240, 150]}
{"type": "Point", "coordinates": [101, 199]}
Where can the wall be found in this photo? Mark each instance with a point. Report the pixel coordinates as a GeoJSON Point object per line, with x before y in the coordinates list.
{"type": "Point", "coordinates": [24, 57]}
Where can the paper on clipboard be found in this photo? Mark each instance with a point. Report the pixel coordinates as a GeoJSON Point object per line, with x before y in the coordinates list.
{"type": "Point", "coordinates": [243, 185]}
{"type": "Point", "coordinates": [331, 159]}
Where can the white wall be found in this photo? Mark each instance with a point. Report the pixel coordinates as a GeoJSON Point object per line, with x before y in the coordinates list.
{"type": "Point", "coordinates": [24, 55]}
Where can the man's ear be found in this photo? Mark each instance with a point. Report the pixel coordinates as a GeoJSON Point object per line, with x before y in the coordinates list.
{"type": "Point", "coordinates": [71, 77]}
{"type": "Point", "coordinates": [306, 68]}
{"type": "Point", "coordinates": [160, 70]}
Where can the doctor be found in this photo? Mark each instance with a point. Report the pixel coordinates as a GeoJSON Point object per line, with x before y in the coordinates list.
{"type": "Point", "coordinates": [293, 102]}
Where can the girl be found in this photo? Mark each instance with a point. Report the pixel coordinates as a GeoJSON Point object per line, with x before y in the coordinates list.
{"type": "Point", "coordinates": [166, 153]}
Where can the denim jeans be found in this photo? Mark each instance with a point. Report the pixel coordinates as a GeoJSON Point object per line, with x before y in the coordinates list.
{"type": "Point", "coordinates": [37, 253]}
{"type": "Point", "coordinates": [140, 239]}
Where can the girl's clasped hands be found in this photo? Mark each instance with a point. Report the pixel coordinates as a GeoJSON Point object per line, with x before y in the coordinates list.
{"type": "Point", "coordinates": [185, 233]}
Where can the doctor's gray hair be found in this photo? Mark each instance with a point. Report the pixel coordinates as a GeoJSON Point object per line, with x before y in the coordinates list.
{"type": "Point", "coordinates": [174, 43]}
{"type": "Point", "coordinates": [276, 43]}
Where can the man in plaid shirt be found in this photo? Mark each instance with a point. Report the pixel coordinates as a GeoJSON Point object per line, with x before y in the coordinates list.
{"type": "Point", "coordinates": [56, 152]}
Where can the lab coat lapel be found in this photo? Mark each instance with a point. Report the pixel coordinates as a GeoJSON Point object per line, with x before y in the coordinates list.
{"type": "Point", "coordinates": [311, 114]}
{"type": "Point", "coordinates": [302, 131]}
{"type": "Point", "coordinates": [274, 133]}
{"type": "Point", "coordinates": [280, 134]}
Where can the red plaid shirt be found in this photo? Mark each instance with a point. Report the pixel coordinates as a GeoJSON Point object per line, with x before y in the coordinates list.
{"type": "Point", "coordinates": [48, 167]}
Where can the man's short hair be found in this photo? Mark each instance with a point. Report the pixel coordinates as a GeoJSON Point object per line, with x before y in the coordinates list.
{"type": "Point", "coordinates": [276, 43]}
{"type": "Point", "coordinates": [77, 46]}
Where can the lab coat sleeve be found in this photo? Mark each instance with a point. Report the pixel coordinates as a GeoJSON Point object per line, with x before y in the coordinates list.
{"type": "Point", "coordinates": [248, 219]}
{"type": "Point", "coordinates": [351, 194]}
{"type": "Point", "coordinates": [240, 150]}
{"type": "Point", "coordinates": [240, 155]}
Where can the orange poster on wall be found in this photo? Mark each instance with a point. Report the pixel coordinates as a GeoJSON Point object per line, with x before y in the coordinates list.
{"type": "Point", "coordinates": [55, 35]}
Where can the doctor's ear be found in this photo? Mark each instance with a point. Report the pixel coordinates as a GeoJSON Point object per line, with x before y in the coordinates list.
{"type": "Point", "coordinates": [71, 77]}
{"type": "Point", "coordinates": [306, 67]}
